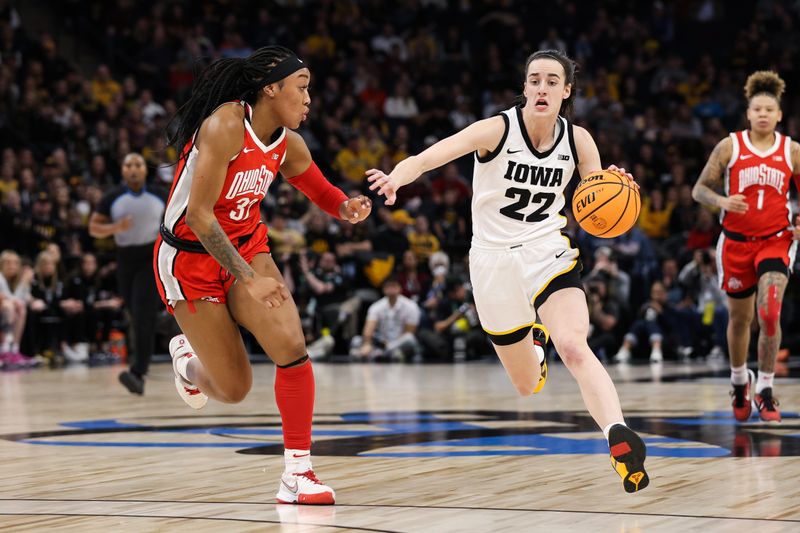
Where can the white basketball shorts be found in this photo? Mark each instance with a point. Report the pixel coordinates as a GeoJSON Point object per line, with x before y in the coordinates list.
{"type": "Point", "coordinates": [509, 282]}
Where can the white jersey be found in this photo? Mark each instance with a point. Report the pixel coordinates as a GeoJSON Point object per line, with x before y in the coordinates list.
{"type": "Point", "coordinates": [518, 192]}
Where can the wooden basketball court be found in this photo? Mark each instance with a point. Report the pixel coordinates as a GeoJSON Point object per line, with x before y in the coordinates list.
{"type": "Point", "coordinates": [407, 448]}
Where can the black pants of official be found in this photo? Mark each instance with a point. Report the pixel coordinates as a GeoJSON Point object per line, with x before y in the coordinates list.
{"type": "Point", "coordinates": [137, 286]}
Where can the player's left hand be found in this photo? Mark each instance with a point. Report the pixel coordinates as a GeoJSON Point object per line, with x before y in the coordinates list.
{"type": "Point", "coordinates": [354, 210]}
{"type": "Point", "coordinates": [619, 170]}
{"type": "Point", "coordinates": [796, 229]}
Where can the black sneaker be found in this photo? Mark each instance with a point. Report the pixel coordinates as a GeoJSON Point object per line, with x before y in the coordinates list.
{"type": "Point", "coordinates": [132, 382]}
{"type": "Point", "coordinates": [628, 452]}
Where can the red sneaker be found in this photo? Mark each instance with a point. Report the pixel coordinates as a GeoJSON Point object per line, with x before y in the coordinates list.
{"type": "Point", "coordinates": [767, 406]}
{"type": "Point", "coordinates": [742, 404]}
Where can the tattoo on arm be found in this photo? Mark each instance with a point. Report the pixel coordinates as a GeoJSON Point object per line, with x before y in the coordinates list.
{"type": "Point", "coordinates": [710, 179]}
{"type": "Point", "coordinates": [217, 243]}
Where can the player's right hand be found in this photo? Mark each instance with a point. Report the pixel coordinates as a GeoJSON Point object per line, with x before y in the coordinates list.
{"type": "Point", "coordinates": [734, 204]}
{"type": "Point", "coordinates": [269, 291]}
{"type": "Point", "coordinates": [385, 185]}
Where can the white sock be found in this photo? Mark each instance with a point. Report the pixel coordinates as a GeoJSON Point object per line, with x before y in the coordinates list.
{"type": "Point", "coordinates": [764, 381]}
{"type": "Point", "coordinates": [297, 460]}
{"type": "Point", "coordinates": [739, 374]}
{"type": "Point", "coordinates": [608, 427]}
{"type": "Point", "coordinates": [8, 340]}
{"type": "Point", "coordinates": [539, 352]}
{"type": "Point", "coordinates": [656, 353]}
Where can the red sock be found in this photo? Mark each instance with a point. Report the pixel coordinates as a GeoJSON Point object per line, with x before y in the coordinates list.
{"type": "Point", "coordinates": [294, 394]}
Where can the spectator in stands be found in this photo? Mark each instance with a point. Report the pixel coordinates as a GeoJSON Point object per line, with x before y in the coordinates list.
{"type": "Point", "coordinates": [330, 306]}
{"type": "Point", "coordinates": [421, 240]}
{"type": "Point", "coordinates": [650, 327]}
{"type": "Point", "coordinates": [44, 308]}
{"type": "Point", "coordinates": [604, 315]}
{"type": "Point", "coordinates": [102, 306]}
{"type": "Point", "coordinates": [15, 291]}
{"type": "Point", "coordinates": [104, 87]}
{"type": "Point", "coordinates": [413, 280]}
{"type": "Point", "coordinates": [389, 331]}
{"type": "Point", "coordinates": [607, 271]}
{"type": "Point", "coordinates": [456, 332]}
{"type": "Point", "coordinates": [700, 280]}
{"type": "Point", "coordinates": [654, 218]}
{"type": "Point", "coordinates": [392, 237]}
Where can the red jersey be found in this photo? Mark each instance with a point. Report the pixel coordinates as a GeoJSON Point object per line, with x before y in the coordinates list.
{"type": "Point", "coordinates": [763, 178]}
{"type": "Point", "coordinates": [249, 175]}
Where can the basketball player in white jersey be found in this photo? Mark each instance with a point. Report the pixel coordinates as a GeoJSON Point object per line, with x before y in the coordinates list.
{"type": "Point", "coordinates": [521, 264]}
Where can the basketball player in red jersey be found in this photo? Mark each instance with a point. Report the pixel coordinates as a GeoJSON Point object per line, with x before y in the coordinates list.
{"type": "Point", "coordinates": [212, 262]}
{"type": "Point", "coordinates": [756, 249]}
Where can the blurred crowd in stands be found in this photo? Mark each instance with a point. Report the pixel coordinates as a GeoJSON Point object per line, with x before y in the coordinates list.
{"type": "Point", "coordinates": [658, 87]}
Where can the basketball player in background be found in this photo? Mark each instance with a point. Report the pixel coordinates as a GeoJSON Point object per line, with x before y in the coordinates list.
{"type": "Point", "coordinates": [212, 264]}
{"type": "Point", "coordinates": [757, 247]}
{"type": "Point", "coordinates": [520, 262]}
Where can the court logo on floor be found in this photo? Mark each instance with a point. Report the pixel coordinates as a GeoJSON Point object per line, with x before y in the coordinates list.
{"type": "Point", "coordinates": [446, 433]}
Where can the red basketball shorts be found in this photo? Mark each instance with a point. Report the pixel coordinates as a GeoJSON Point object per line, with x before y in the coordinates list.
{"type": "Point", "coordinates": [738, 261]}
{"type": "Point", "coordinates": [190, 276]}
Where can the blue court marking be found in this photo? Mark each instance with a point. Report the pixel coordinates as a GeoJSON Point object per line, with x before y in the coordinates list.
{"type": "Point", "coordinates": [108, 423]}
{"type": "Point", "coordinates": [549, 445]}
{"type": "Point", "coordinates": [145, 444]}
{"type": "Point", "coordinates": [411, 423]}
{"type": "Point", "coordinates": [386, 416]}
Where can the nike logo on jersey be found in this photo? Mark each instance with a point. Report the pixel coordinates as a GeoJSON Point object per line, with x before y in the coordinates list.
{"type": "Point", "coordinates": [562, 252]}
{"type": "Point", "coordinates": [743, 157]}
{"type": "Point", "coordinates": [248, 151]}
{"type": "Point", "coordinates": [510, 151]}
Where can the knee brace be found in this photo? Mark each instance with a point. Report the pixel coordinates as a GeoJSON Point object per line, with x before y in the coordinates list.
{"type": "Point", "coordinates": [770, 313]}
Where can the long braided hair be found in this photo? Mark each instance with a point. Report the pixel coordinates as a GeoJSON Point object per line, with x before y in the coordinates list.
{"type": "Point", "coordinates": [222, 81]}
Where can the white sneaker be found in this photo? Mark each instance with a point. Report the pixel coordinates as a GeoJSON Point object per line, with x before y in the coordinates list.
{"type": "Point", "coordinates": [179, 347]}
{"type": "Point", "coordinates": [304, 488]}
{"type": "Point", "coordinates": [656, 356]}
{"type": "Point", "coordinates": [716, 353]}
{"type": "Point", "coordinates": [623, 355]}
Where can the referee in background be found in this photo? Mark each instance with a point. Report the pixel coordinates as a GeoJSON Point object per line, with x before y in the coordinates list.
{"type": "Point", "coordinates": [132, 213]}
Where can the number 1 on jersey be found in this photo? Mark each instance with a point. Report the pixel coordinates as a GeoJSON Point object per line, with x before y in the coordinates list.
{"type": "Point", "coordinates": [760, 203]}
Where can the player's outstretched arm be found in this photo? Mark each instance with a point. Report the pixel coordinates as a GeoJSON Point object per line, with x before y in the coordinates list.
{"type": "Point", "coordinates": [482, 135]}
{"type": "Point", "coordinates": [304, 175]}
{"type": "Point", "coordinates": [710, 181]}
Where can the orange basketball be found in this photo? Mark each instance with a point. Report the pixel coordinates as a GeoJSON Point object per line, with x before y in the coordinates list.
{"type": "Point", "coordinates": [606, 203]}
